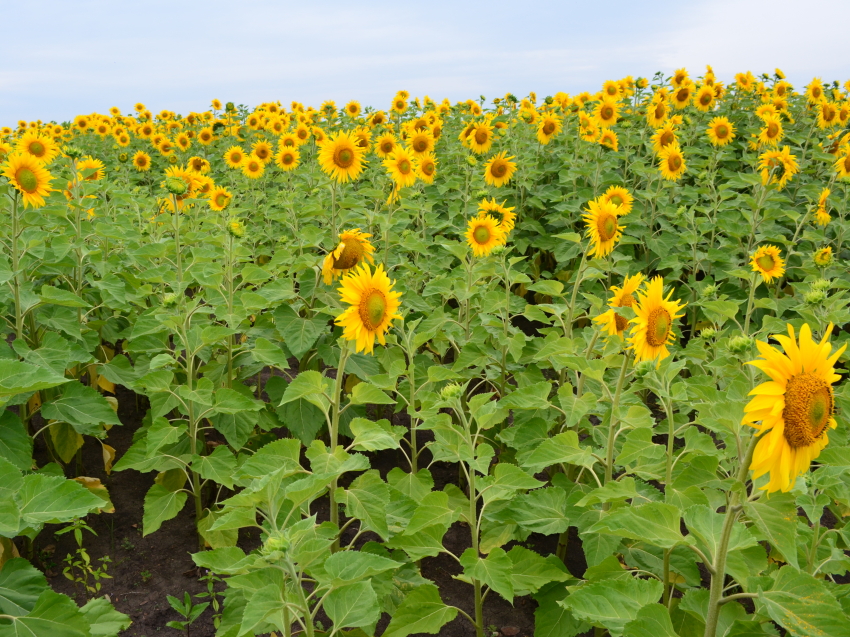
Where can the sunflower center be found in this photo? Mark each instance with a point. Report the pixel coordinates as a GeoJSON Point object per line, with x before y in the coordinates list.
{"type": "Point", "coordinates": [658, 327]}
{"type": "Point", "coordinates": [421, 145]}
{"type": "Point", "coordinates": [344, 157]}
{"type": "Point", "coordinates": [404, 167]}
{"type": "Point", "coordinates": [666, 138]}
{"type": "Point", "coordinates": [606, 226]}
{"type": "Point", "coordinates": [427, 168]}
{"type": "Point", "coordinates": [37, 149]}
{"type": "Point", "coordinates": [372, 310]}
{"type": "Point", "coordinates": [548, 128]}
{"type": "Point", "coordinates": [262, 153]}
{"type": "Point", "coordinates": [659, 111]}
{"type": "Point", "coordinates": [617, 200]}
{"type": "Point", "coordinates": [607, 112]}
{"type": "Point", "coordinates": [27, 179]}
{"type": "Point", "coordinates": [705, 99]}
{"type": "Point", "coordinates": [674, 162]}
{"type": "Point", "coordinates": [499, 169]}
{"type": "Point", "coordinates": [288, 158]}
{"type": "Point", "coordinates": [722, 131]}
{"type": "Point", "coordinates": [221, 200]}
{"type": "Point", "coordinates": [772, 129]}
{"type": "Point", "coordinates": [627, 300]}
{"type": "Point", "coordinates": [481, 234]}
{"type": "Point", "coordinates": [808, 408]}
{"type": "Point", "coordinates": [620, 322]}
{"type": "Point", "coordinates": [682, 94]}
{"type": "Point", "coordinates": [766, 262]}
{"type": "Point", "coordinates": [481, 137]}
{"type": "Point", "coordinates": [387, 147]}
{"type": "Point", "coordinates": [351, 255]}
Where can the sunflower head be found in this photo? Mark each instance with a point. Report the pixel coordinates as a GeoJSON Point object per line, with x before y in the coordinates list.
{"type": "Point", "coordinates": [620, 197]}
{"type": "Point", "coordinates": [29, 177]}
{"type": "Point", "coordinates": [768, 262]}
{"type": "Point", "coordinates": [506, 215]}
{"type": "Point", "coordinates": [354, 249]}
{"type": "Point", "coordinates": [341, 158]}
{"type": "Point", "coordinates": [219, 198]}
{"type": "Point", "coordinates": [823, 257]}
{"type": "Point", "coordinates": [483, 234]}
{"type": "Point", "coordinates": [652, 326]}
{"type": "Point", "coordinates": [287, 158]}
{"type": "Point", "coordinates": [603, 228]}
{"type": "Point", "coordinates": [720, 131]}
{"type": "Point", "coordinates": [42, 147]}
{"type": "Point", "coordinates": [499, 169]}
{"type": "Point", "coordinates": [671, 162]}
{"type": "Point", "coordinates": [372, 306]}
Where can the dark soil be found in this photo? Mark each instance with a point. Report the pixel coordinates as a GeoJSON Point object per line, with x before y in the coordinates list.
{"type": "Point", "coordinates": [144, 570]}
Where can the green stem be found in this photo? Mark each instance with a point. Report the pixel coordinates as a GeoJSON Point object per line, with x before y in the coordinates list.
{"type": "Point", "coordinates": [750, 304]}
{"type": "Point", "coordinates": [612, 426]}
{"type": "Point", "coordinates": [671, 439]}
{"type": "Point", "coordinates": [411, 407]}
{"type": "Point", "coordinates": [579, 274]}
{"type": "Point", "coordinates": [334, 433]}
{"type": "Point", "coordinates": [813, 550]}
{"type": "Point", "coordinates": [718, 578]}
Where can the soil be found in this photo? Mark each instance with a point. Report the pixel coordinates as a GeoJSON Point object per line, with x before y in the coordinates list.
{"type": "Point", "coordinates": [144, 570]}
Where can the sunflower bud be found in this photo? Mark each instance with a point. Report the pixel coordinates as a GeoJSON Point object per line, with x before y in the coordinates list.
{"type": "Point", "coordinates": [236, 228]}
{"type": "Point", "coordinates": [823, 257]}
{"type": "Point", "coordinates": [123, 157]}
{"type": "Point", "coordinates": [821, 285]}
{"type": "Point", "coordinates": [72, 151]}
{"type": "Point", "coordinates": [643, 368]}
{"type": "Point", "coordinates": [275, 542]}
{"type": "Point", "coordinates": [815, 297]}
{"type": "Point", "coordinates": [229, 107]}
{"type": "Point", "coordinates": [497, 250]}
{"type": "Point", "coordinates": [471, 160]}
{"type": "Point", "coordinates": [450, 391]}
{"type": "Point", "coordinates": [169, 299]}
{"type": "Point", "coordinates": [175, 185]}
{"type": "Point", "coordinates": [707, 333]}
{"type": "Point", "coordinates": [740, 344]}
{"type": "Point", "coordinates": [172, 159]}
{"type": "Point", "coordinates": [709, 292]}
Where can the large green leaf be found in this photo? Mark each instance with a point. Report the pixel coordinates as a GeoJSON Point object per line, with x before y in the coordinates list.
{"type": "Point", "coordinates": [347, 567]}
{"type": "Point", "coordinates": [542, 510]}
{"type": "Point", "coordinates": [265, 606]}
{"type": "Point", "coordinates": [103, 619]}
{"type": "Point", "coordinates": [298, 333]}
{"type": "Point", "coordinates": [495, 570]}
{"type": "Point", "coordinates": [44, 498]}
{"type": "Point", "coordinates": [161, 505]}
{"type": "Point", "coordinates": [803, 606]}
{"type": "Point", "coordinates": [612, 604]}
{"type": "Point", "coordinates": [366, 499]}
{"type": "Point", "coordinates": [22, 378]}
{"type": "Point", "coordinates": [370, 435]}
{"type": "Point", "coordinates": [551, 619]}
{"type": "Point", "coordinates": [368, 394]}
{"type": "Point", "coordinates": [15, 443]}
{"type": "Point", "coordinates": [54, 615]}
{"type": "Point", "coordinates": [560, 449]}
{"type": "Point", "coordinates": [433, 509]}
{"type": "Point", "coordinates": [82, 407]}
{"type": "Point", "coordinates": [531, 572]}
{"type": "Point", "coordinates": [20, 585]}
{"type": "Point", "coordinates": [219, 466]}
{"type": "Point", "coordinates": [655, 522]}
{"type": "Point", "coordinates": [310, 386]}
{"type": "Point", "coordinates": [653, 620]}
{"type": "Point", "coordinates": [776, 518]}
{"type": "Point", "coordinates": [353, 606]}
{"type": "Point", "coordinates": [422, 611]}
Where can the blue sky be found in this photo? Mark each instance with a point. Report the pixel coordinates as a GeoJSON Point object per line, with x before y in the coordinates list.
{"type": "Point", "coordinates": [88, 55]}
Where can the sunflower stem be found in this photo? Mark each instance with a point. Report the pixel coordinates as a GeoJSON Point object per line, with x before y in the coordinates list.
{"type": "Point", "coordinates": [334, 432]}
{"type": "Point", "coordinates": [612, 425]}
{"type": "Point", "coordinates": [579, 274]}
{"type": "Point", "coordinates": [753, 286]}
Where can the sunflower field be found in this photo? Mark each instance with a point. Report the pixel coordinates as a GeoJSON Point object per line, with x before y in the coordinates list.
{"type": "Point", "coordinates": [583, 352]}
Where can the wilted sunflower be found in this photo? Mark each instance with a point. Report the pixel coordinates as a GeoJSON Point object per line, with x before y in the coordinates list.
{"type": "Point", "coordinates": [611, 321]}
{"type": "Point", "coordinates": [400, 167]}
{"type": "Point", "coordinates": [480, 138]}
{"type": "Point", "coordinates": [341, 158]}
{"type": "Point", "coordinates": [385, 145]}
{"type": "Point", "coordinates": [219, 198]}
{"type": "Point", "coordinates": [608, 138]}
{"type": "Point", "coordinates": [253, 167]}
{"type": "Point", "coordinates": [794, 409]}
{"type": "Point", "coordinates": [778, 166]}
{"type": "Point", "coordinates": [823, 257]}
{"type": "Point", "coordinates": [652, 327]}
{"type": "Point", "coordinates": [603, 229]}
{"type": "Point", "coordinates": [262, 150]}
{"type": "Point", "coordinates": [772, 131]}
{"type": "Point", "coordinates": [42, 147]}
{"type": "Point", "coordinates": [720, 131]}
{"type": "Point", "coordinates": [499, 169]}
{"type": "Point", "coordinates": [90, 169]}
{"type": "Point", "coordinates": [548, 126]}
{"type": "Point", "coordinates": [426, 167]}
{"type": "Point", "coordinates": [354, 249]}
{"type": "Point", "coordinates": [29, 177]}
{"type": "Point", "coordinates": [768, 262]}
{"type": "Point", "coordinates": [483, 233]}
{"type": "Point", "coordinates": [234, 156]}
{"type": "Point", "coordinates": [287, 158]}
{"type": "Point", "coordinates": [506, 215]}
{"type": "Point", "coordinates": [620, 197]}
{"type": "Point", "coordinates": [372, 306]}
{"type": "Point", "coordinates": [141, 161]}
{"type": "Point", "coordinates": [671, 162]}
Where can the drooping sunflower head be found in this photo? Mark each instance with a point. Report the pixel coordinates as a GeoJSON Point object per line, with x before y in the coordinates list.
{"type": "Point", "coordinates": [652, 326]}
{"type": "Point", "coordinates": [767, 261]}
{"type": "Point", "coordinates": [42, 147]}
{"type": "Point", "coordinates": [794, 409]}
{"type": "Point", "coordinates": [199, 165]}
{"type": "Point", "coordinates": [29, 177]}
{"type": "Point", "coordinates": [354, 249]}
{"type": "Point", "coordinates": [720, 131]}
{"type": "Point", "coordinates": [620, 197]}
{"type": "Point", "coordinates": [483, 233]}
{"type": "Point", "coordinates": [778, 166]}
{"type": "Point", "coordinates": [603, 228]}
{"type": "Point", "coordinates": [372, 306]}
{"type": "Point", "coordinates": [499, 169]}
{"type": "Point", "coordinates": [671, 162]}
{"type": "Point", "coordinates": [287, 158]}
{"type": "Point", "coordinates": [219, 198]}
{"type": "Point", "coordinates": [341, 158]}
{"type": "Point", "coordinates": [608, 138]}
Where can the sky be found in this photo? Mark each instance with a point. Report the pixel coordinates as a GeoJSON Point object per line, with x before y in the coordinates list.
{"type": "Point", "coordinates": [88, 55]}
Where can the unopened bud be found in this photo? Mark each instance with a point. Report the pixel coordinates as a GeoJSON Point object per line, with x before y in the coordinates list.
{"type": "Point", "coordinates": [709, 292]}
{"type": "Point", "coordinates": [643, 368]}
{"type": "Point", "coordinates": [815, 297]}
{"type": "Point", "coordinates": [450, 391]}
{"type": "Point", "coordinates": [175, 185]}
{"type": "Point", "coordinates": [236, 228]}
{"type": "Point", "coordinates": [169, 299]}
{"type": "Point", "coordinates": [707, 333]}
{"type": "Point", "coordinates": [740, 344]}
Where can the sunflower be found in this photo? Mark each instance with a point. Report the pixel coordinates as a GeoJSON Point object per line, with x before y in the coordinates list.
{"type": "Point", "coordinates": [29, 177]}
{"type": "Point", "coordinates": [372, 307]}
{"type": "Point", "coordinates": [704, 98]}
{"type": "Point", "coordinates": [385, 145]}
{"type": "Point", "coordinates": [507, 215]}
{"type": "Point", "coordinates": [611, 321]}
{"type": "Point", "coordinates": [679, 78]}
{"type": "Point", "coordinates": [682, 96]}
{"type": "Point", "coordinates": [354, 247]}
{"type": "Point", "coordinates": [122, 139]}
{"type": "Point", "coordinates": [188, 177]}
{"type": "Point", "coordinates": [768, 262]}
{"type": "Point", "coordinates": [794, 409]}
{"type": "Point", "coordinates": [547, 128]}
{"type": "Point", "coordinates": [199, 165]}
{"type": "Point", "coordinates": [589, 133]}
{"type": "Point", "coordinates": [287, 159]}
{"type": "Point", "coordinates": [603, 230]}
{"type": "Point", "coordinates": [620, 197]}
{"type": "Point", "coordinates": [671, 162]}
{"type": "Point", "coordinates": [814, 91]}
{"type": "Point", "coordinates": [5, 150]}
{"type": "Point", "coordinates": [664, 137]}
{"type": "Point", "coordinates": [165, 147]}
{"type": "Point", "coordinates": [352, 109]}
{"type": "Point", "coordinates": [657, 111]}
{"type": "Point", "coordinates": [608, 138]}
{"type": "Point", "coordinates": [90, 169]}
{"type": "Point", "coordinates": [772, 131]}
{"type": "Point", "coordinates": [288, 139]}
{"type": "Point", "coordinates": [822, 217]}
{"type": "Point", "coordinates": [720, 131]}
{"type": "Point", "coordinates": [426, 167]}
{"type": "Point", "coordinates": [219, 198]}
{"type": "Point", "coordinates": [141, 161]}
{"type": "Point", "coordinates": [377, 118]}
{"type": "Point", "coordinates": [363, 138]}
{"type": "Point", "coordinates": [39, 146]}
{"type": "Point", "coordinates": [262, 150]}
{"type": "Point", "coordinates": [253, 167]}
{"type": "Point", "coordinates": [823, 257]}
{"type": "Point", "coordinates": [421, 143]}
{"type": "Point", "coordinates": [842, 165]}
{"type": "Point", "coordinates": [778, 166]}
{"type": "Point", "coordinates": [652, 326]}
{"type": "Point", "coordinates": [611, 90]}
{"type": "Point", "coordinates": [234, 156]}
{"type": "Point", "coordinates": [400, 167]}
{"type": "Point", "coordinates": [606, 113]}
{"type": "Point", "coordinates": [480, 138]}
{"type": "Point", "coordinates": [499, 169]}
{"type": "Point", "coordinates": [341, 158]}
{"type": "Point", "coordinates": [483, 233]}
